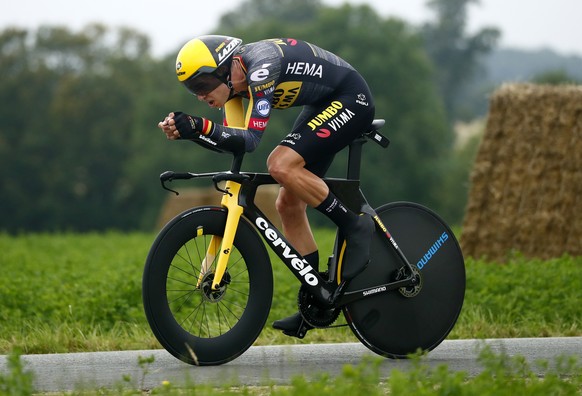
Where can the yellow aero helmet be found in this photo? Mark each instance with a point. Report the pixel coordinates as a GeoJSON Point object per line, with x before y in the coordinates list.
{"type": "Point", "coordinates": [204, 54]}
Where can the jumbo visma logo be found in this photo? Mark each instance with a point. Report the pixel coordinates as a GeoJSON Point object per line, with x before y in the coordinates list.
{"type": "Point", "coordinates": [424, 260]}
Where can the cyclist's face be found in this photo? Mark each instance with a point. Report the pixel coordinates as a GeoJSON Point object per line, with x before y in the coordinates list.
{"type": "Point", "coordinates": [217, 97]}
{"type": "Point", "coordinates": [208, 88]}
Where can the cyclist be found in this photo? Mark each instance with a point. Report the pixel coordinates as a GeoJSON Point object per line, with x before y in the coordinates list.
{"type": "Point", "coordinates": [278, 74]}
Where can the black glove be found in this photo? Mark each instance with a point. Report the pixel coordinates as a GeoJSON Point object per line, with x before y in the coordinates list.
{"type": "Point", "coordinates": [188, 126]}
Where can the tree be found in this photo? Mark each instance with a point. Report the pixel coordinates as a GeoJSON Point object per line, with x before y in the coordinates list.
{"type": "Point", "coordinates": [68, 105]}
{"type": "Point", "coordinates": [79, 147]}
{"type": "Point", "coordinates": [455, 54]}
{"type": "Point", "coordinates": [554, 77]}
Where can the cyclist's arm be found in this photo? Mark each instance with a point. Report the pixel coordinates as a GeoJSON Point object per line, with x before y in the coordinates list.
{"type": "Point", "coordinates": [249, 125]}
{"type": "Point", "coordinates": [264, 63]}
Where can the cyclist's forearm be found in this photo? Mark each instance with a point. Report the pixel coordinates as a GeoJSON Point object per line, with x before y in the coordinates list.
{"type": "Point", "coordinates": [221, 135]}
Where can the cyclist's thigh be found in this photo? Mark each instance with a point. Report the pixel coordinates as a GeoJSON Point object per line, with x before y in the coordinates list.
{"type": "Point", "coordinates": [323, 130]}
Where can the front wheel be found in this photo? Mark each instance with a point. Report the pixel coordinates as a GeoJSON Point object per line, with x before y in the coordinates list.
{"type": "Point", "coordinates": [398, 323]}
{"type": "Point", "coordinates": [195, 323]}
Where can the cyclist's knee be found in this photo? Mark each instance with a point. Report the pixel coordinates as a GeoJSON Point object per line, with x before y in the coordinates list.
{"type": "Point", "coordinates": [278, 169]}
{"type": "Point", "coordinates": [282, 162]}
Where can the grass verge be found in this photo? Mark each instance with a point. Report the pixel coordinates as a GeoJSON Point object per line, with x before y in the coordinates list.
{"type": "Point", "coordinates": [82, 292]}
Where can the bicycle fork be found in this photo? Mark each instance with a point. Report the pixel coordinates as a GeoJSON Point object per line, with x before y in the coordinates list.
{"type": "Point", "coordinates": [223, 245]}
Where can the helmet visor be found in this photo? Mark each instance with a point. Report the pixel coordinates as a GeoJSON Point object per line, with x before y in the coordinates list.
{"type": "Point", "coordinates": [202, 84]}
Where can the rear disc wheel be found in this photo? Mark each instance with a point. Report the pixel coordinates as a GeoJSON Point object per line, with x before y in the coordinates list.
{"type": "Point", "coordinates": [398, 323]}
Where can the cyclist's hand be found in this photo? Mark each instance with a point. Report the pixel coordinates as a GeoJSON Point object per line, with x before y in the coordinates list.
{"type": "Point", "coordinates": [188, 126]}
{"type": "Point", "coordinates": [168, 126]}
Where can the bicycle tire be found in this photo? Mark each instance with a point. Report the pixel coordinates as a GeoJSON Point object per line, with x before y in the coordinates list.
{"type": "Point", "coordinates": [191, 322]}
{"type": "Point", "coordinates": [394, 324]}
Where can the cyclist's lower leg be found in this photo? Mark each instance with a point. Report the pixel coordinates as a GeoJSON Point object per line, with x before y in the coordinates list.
{"type": "Point", "coordinates": [295, 325]}
{"type": "Point", "coordinates": [298, 232]}
{"type": "Point", "coordinates": [288, 168]}
{"type": "Point", "coordinates": [357, 231]}
{"type": "Point", "coordinates": [295, 224]}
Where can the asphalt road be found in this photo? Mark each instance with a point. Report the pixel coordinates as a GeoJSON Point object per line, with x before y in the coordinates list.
{"type": "Point", "coordinates": [264, 364]}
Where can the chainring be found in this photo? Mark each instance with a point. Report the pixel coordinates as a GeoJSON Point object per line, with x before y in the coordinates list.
{"type": "Point", "coordinates": [312, 313]}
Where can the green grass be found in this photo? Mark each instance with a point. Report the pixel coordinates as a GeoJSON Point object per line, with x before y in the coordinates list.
{"type": "Point", "coordinates": [82, 292]}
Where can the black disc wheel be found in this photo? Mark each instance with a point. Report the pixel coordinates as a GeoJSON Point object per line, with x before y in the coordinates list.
{"type": "Point", "coordinates": [193, 321]}
{"type": "Point", "coordinates": [398, 323]}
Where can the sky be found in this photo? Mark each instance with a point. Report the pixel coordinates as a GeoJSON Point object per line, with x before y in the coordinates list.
{"type": "Point", "coordinates": [525, 24]}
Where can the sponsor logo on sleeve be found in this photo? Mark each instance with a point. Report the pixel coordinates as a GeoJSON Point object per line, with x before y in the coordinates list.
{"type": "Point", "coordinates": [263, 107]}
{"type": "Point", "coordinates": [262, 74]}
{"type": "Point", "coordinates": [258, 124]}
{"type": "Point", "coordinates": [264, 87]}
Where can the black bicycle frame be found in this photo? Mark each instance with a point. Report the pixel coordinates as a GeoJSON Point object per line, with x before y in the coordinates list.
{"type": "Point", "coordinates": [347, 190]}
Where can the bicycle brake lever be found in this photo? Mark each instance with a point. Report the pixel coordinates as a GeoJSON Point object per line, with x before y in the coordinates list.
{"type": "Point", "coordinates": [168, 176]}
{"type": "Point", "coordinates": [222, 190]}
{"type": "Point", "coordinates": [168, 189]}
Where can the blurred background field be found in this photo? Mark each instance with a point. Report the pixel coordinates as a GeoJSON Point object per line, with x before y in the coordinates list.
{"type": "Point", "coordinates": [82, 292]}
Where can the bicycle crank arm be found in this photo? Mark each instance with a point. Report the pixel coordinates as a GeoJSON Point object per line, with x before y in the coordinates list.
{"type": "Point", "coordinates": [351, 296]}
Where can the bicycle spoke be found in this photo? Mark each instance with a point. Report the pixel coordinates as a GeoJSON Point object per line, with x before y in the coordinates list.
{"type": "Point", "coordinates": [195, 311]}
{"type": "Point", "coordinates": [180, 280]}
{"type": "Point", "coordinates": [239, 292]}
{"type": "Point", "coordinates": [185, 294]}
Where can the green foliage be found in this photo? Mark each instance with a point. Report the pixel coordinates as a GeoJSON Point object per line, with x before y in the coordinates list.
{"type": "Point", "coordinates": [62, 292]}
{"type": "Point", "coordinates": [523, 298]}
{"type": "Point", "coordinates": [555, 77]}
{"type": "Point", "coordinates": [501, 375]}
{"type": "Point", "coordinates": [70, 102]}
{"type": "Point", "coordinates": [455, 188]}
{"type": "Point", "coordinates": [456, 54]}
{"type": "Point", "coordinates": [79, 147]}
{"type": "Point", "coordinates": [16, 381]}
{"type": "Point", "coordinates": [82, 292]}
{"type": "Point", "coordinates": [71, 293]}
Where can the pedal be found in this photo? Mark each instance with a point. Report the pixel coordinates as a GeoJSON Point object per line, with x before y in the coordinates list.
{"type": "Point", "coordinates": [300, 333]}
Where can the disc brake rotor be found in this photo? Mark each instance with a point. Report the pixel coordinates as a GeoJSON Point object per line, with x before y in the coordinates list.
{"type": "Point", "coordinates": [412, 290]}
{"type": "Point", "coordinates": [217, 294]}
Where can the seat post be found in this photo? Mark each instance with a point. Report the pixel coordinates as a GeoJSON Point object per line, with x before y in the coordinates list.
{"type": "Point", "coordinates": [355, 158]}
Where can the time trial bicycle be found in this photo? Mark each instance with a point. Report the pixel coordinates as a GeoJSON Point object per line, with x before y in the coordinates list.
{"type": "Point", "coordinates": [208, 281]}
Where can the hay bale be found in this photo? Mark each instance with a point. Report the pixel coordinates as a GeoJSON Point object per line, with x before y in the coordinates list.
{"type": "Point", "coordinates": [192, 197]}
{"type": "Point", "coordinates": [526, 184]}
